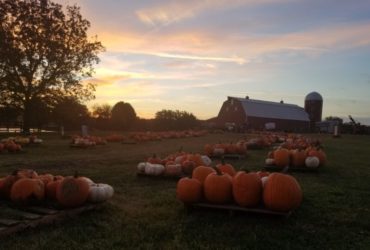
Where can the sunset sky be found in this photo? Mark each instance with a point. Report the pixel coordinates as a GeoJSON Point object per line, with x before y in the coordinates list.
{"type": "Point", "coordinates": [191, 54]}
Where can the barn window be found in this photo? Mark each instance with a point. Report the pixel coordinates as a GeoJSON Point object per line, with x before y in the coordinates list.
{"type": "Point", "coordinates": [227, 109]}
{"type": "Point", "coordinates": [232, 102]}
{"type": "Point", "coordinates": [236, 108]}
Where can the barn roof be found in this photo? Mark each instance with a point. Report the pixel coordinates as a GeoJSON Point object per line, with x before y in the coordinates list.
{"type": "Point", "coordinates": [276, 110]}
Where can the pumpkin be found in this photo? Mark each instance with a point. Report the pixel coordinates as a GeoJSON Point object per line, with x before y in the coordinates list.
{"type": "Point", "coordinates": [319, 154]}
{"type": "Point", "coordinates": [188, 167]}
{"type": "Point", "coordinates": [218, 187]}
{"type": "Point", "coordinates": [262, 173]}
{"type": "Point", "coordinates": [312, 162]}
{"type": "Point", "coordinates": [141, 167]}
{"type": "Point", "coordinates": [26, 173]}
{"type": "Point", "coordinates": [298, 158]}
{"type": "Point", "coordinates": [6, 184]}
{"type": "Point", "coordinates": [46, 178]}
{"type": "Point", "coordinates": [269, 162]}
{"type": "Point", "coordinates": [173, 169]}
{"type": "Point", "coordinates": [25, 190]}
{"type": "Point", "coordinates": [208, 149]}
{"type": "Point", "coordinates": [100, 192]}
{"type": "Point", "coordinates": [282, 157]}
{"type": "Point", "coordinates": [263, 181]}
{"type": "Point", "coordinates": [206, 160]}
{"type": "Point", "coordinates": [154, 169]}
{"type": "Point", "coordinates": [218, 151]}
{"type": "Point", "coordinates": [51, 188]}
{"type": "Point", "coordinates": [201, 172]}
{"type": "Point", "coordinates": [154, 159]}
{"type": "Point", "coordinates": [247, 189]}
{"type": "Point", "coordinates": [189, 190]}
{"type": "Point", "coordinates": [282, 193]}
{"type": "Point", "coordinates": [72, 191]}
{"type": "Point", "coordinates": [226, 168]}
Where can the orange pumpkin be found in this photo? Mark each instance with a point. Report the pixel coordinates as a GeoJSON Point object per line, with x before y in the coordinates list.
{"type": "Point", "coordinates": [218, 187]}
{"type": "Point", "coordinates": [189, 190]}
{"type": "Point", "coordinates": [298, 158]}
{"type": "Point", "coordinates": [282, 193]}
{"type": "Point", "coordinates": [51, 188]}
{"type": "Point", "coordinates": [282, 157]}
{"type": "Point", "coordinates": [46, 178]}
{"type": "Point", "coordinates": [226, 168]}
{"type": "Point", "coordinates": [188, 167]}
{"type": "Point", "coordinates": [208, 149]}
{"type": "Point", "coordinates": [247, 189]}
{"type": "Point", "coordinates": [25, 190]}
{"type": "Point", "coordinates": [201, 172]}
{"type": "Point", "coordinates": [73, 191]}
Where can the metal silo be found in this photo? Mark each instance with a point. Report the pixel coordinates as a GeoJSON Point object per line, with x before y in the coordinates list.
{"type": "Point", "coordinates": [313, 106]}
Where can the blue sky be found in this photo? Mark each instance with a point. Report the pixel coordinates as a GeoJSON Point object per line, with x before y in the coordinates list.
{"type": "Point", "coordinates": [190, 55]}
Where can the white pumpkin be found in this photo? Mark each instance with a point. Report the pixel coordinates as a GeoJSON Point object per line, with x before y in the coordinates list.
{"type": "Point", "coordinates": [173, 170]}
{"type": "Point", "coordinates": [264, 181]}
{"type": "Point", "coordinates": [100, 192]}
{"type": "Point", "coordinates": [312, 162]}
{"type": "Point", "coordinates": [179, 159]}
{"type": "Point", "coordinates": [269, 161]}
{"type": "Point", "coordinates": [154, 169]}
{"type": "Point", "coordinates": [206, 160]}
{"type": "Point", "coordinates": [141, 167]}
{"type": "Point", "coordinates": [218, 151]}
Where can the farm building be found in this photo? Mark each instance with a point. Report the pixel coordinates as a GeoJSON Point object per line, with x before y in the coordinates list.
{"type": "Point", "coordinates": [245, 113]}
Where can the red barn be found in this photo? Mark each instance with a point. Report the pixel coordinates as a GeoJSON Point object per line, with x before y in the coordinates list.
{"type": "Point", "coordinates": [245, 113]}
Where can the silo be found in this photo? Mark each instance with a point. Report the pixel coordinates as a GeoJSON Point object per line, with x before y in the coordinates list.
{"type": "Point", "coordinates": [313, 106]}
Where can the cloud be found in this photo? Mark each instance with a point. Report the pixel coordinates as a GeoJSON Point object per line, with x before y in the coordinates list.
{"type": "Point", "coordinates": [174, 11]}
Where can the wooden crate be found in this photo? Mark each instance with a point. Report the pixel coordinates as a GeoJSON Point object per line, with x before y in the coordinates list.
{"type": "Point", "coordinates": [14, 219]}
{"type": "Point", "coordinates": [232, 208]}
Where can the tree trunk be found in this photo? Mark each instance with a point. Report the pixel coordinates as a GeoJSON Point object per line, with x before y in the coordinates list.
{"type": "Point", "coordinates": [27, 118]}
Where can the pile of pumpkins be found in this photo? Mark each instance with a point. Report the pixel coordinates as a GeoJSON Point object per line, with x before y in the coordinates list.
{"type": "Point", "coordinates": [25, 187]}
{"type": "Point", "coordinates": [156, 136]}
{"type": "Point", "coordinates": [221, 149]}
{"type": "Point", "coordinates": [223, 185]}
{"type": "Point", "coordinates": [87, 141]}
{"type": "Point", "coordinates": [10, 146]}
{"type": "Point", "coordinates": [23, 141]}
{"type": "Point", "coordinates": [114, 138]}
{"type": "Point", "coordinates": [311, 157]}
{"type": "Point", "coordinates": [177, 164]}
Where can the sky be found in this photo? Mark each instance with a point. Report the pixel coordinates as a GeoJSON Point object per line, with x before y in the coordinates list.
{"type": "Point", "coordinates": [191, 54]}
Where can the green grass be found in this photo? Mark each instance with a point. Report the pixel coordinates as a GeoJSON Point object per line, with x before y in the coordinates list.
{"type": "Point", "coordinates": [144, 212]}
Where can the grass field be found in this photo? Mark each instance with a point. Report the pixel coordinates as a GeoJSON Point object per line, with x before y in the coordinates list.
{"type": "Point", "coordinates": [144, 212]}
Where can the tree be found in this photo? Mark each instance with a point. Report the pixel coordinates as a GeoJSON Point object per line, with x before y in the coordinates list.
{"type": "Point", "coordinates": [334, 118]}
{"type": "Point", "coordinates": [123, 115]}
{"type": "Point", "coordinates": [169, 120]}
{"type": "Point", "coordinates": [102, 114]}
{"type": "Point", "coordinates": [70, 113]}
{"type": "Point", "coordinates": [102, 111]}
{"type": "Point", "coordinates": [44, 54]}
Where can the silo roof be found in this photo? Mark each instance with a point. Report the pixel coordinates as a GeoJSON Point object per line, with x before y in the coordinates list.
{"type": "Point", "coordinates": [275, 110]}
{"type": "Point", "coordinates": [313, 96]}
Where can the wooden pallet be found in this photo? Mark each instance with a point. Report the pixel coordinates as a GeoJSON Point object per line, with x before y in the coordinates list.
{"type": "Point", "coordinates": [232, 208]}
{"type": "Point", "coordinates": [173, 177]}
{"type": "Point", "coordinates": [292, 169]}
{"type": "Point", "coordinates": [14, 219]}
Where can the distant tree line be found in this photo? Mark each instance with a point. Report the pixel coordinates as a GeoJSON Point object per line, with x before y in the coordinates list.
{"type": "Point", "coordinates": [70, 113]}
